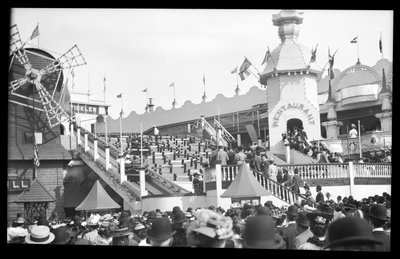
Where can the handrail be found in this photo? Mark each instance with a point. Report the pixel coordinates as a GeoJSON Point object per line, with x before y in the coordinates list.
{"type": "Point", "coordinates": [228, 137]}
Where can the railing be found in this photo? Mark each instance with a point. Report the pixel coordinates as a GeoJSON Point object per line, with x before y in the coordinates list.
{"type": "Point", "coordinates": [317, 171]}
{"type": "Point", "coordinates": [229, 172]}
{"type": "Point", "coordinates": [373, 170]}
{"type": "Point", "coordinates": [225, 134]}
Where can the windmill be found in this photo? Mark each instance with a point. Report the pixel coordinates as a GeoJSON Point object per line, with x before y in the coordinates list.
{"type": "Point", "coordinates": [43, 77]}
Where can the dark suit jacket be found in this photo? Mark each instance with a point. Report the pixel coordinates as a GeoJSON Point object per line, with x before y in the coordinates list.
{"type": "Point", "coordinates": [289, 233]}
{"type": "Point", "coordinates": [319, 197]}
{"type": "Point", "coordinates": [384, 238]}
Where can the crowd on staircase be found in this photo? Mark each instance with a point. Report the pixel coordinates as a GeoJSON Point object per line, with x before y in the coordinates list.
{"type": "Point", "coordinates": [346, 224]}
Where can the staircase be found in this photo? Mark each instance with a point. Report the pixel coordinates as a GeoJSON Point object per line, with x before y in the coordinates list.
{"type": "Point", "coordinates": [129, 190]}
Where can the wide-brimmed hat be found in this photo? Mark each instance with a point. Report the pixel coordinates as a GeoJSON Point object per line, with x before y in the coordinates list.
{"type": "Point", "coordinates": [353, 125]}
{"type": "Point", "coordinates": [120, 232]}
{"type": "Point", "coordinates": [154, 215]}
{"type": "Point", "coordinates": [260, 233]}
{"type": "Point", "coordinates": [40, 235]}
{"type": "Point", "coordinates": [19, 220]}
{"type": "Point", "coordinates": [348, 231]}
{"type": "Point", "coordinates": [179, 217]}
{"type": "Point", "coordinates": [220, 228]}
{"type": "Point", "coordinates": [303, 220]}
{"type": "Point", "coordinates": [139, 226]}
{"type": "Point", "coordinates": [293, 210]}
{"type": "Point", "coordinates": [378, 211]}
{"type": "Point", "coordinates": [319, 217]}
{"type": "Point", "coordinates": [61, 236]}
{"type": "Point", "coordinates": [160, 229]}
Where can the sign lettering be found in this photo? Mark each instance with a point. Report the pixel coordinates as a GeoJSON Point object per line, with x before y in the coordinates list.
{"type": "Point", "coordinates": [288, 106]}
{"type": "Point", "coordinates": [85, 108]}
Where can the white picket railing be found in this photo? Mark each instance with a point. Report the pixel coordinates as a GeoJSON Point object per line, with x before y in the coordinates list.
{"type": "Point", "coordinates": [317, 171]}
{"type": "Point", "coordinates": [373, 170]}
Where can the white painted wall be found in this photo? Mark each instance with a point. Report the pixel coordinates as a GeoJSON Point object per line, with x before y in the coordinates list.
{"type": "Point", "coordinates": [167, 203]}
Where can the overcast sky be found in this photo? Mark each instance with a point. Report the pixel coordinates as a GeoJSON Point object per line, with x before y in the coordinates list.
{"type": "Point", "coordinates": [151, 48]}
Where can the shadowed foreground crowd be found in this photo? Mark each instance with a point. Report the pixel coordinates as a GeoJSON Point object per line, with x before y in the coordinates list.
{"type": "Point", "coordinates": [351, 225]}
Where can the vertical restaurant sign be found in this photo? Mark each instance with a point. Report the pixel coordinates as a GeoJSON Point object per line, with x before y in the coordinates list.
{"type": "Point", "coordinates": [85, 108]}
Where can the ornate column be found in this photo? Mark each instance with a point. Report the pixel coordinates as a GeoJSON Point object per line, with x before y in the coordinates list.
{"type": "Point", "coordinates": [332, 126]}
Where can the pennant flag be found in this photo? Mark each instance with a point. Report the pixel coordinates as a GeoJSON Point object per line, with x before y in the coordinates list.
{"type": "Point", "coordinates": [36, 161]}
{"type": "Point", "coordinates": [235, 70]}
{"type": "Point", "coordinates": [354, 40]}
{"type": "Point", "coordinates": [204, 79]}
{"type": "Point", "coordinates": [119, 96]}
{"type": "Point", "coordinates": [380, 44]}
{"type": "Point", "coordinates": [35, 32]}
{"type": "Point", "coordinates": [267, 55]}
{"type": "Point", "coordinates": [246, 64]}
{"type": "Point", "coordinates": [331, 61]}
{"type": "Point", "coordinates": [314, 54]}
{"type": "Point", "coordinates": [172, 85]}
{"type": "Point", "coordinates": [144, 90]}
{"type": "Point", "coordinates": [104, 81]}
{"type": "Point", "coordinates": [243, 75]}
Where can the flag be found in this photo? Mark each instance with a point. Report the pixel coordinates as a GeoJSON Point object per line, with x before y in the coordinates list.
{"type": "Point", "coordinates": [243, 75]}
{"type": "Point", "coordinates": [380, 44]}
{"type": "Point", "coordinates": [331, 61]}
{"type": "Point", "coordinates": [172, 85]}
{"type": "Point", "coordinates": [104, 81]}
{"type": "Point", "coordinates": [35, 32]}
{"type": "Point", "coordinates": [314, 54]}
{"type": "Point", "coordinates": [119, 96]}
{"type": "Point", "coordinates": [267, 55]}
{"type": "Point", "coordinates": [144, 90]}
{"type": "Point", "coordinates": [234, 70]}
{"type": "Point", "coordinates": [246, 64]}
{"type": "Point", "coordinates": [204, 79]}
{"type": "Point", "coordinates": [36, 161]}
{"type": "Point", "coordinates": [354, 40]}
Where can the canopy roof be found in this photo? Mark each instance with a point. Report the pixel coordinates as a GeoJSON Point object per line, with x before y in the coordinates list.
{"type": "Point", "coordinates": [36, 193]}
{"type": "Point", "coordinates": [98, 199]}
{"type": "Point", "coordinates": [245, 185]}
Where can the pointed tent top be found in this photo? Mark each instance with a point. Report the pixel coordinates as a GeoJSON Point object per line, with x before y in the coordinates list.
{"type": "Point", "coordinates": [98, 199]}
{"type": "Point", "coordinates": [36, 193]}
{"type": "Point", "coordinates": [245, 185]}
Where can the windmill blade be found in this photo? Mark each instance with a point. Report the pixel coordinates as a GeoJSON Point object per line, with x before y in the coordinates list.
{"type": "Point", "coordinates": [54, 112]}
{"type": "Point", "coordinates": [15, 84]}
{"type": "Point", "coordinates": [17, 48]}
{"type": "Point", "coordinates": [72, 58]}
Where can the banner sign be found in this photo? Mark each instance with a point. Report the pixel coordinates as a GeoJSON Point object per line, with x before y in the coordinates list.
{"type": "Point", "coordinates": [85, 108]}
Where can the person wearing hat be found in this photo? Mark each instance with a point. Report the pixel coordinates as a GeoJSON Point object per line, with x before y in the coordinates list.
{"type": "Point", "coordinates": [40, 235]}
{"type": "Point", "coordinates": [104, 237]}
{"type": "Point", "coordinates": [91, 234]}
{"type": "Point", "coordinates": [353, 132]}
{"type": "Point", "coordinates": [351, 234]}
{"type": "Point", "coordinates": [320, 196]}
{"type": "Point", "coordinates": [160, 232]}
{"type": "Point", "coordinates": [223, 156]}
{"type": "Point", "coordinates": [19, 221]}
{"type": "Point", "coordinates": [263, 211]}
{"type": "Point", "coordinates": [303, 230]}
{"type": "Point", "coordinates": [179, 225]}
{"type": "Point", "coordinates": [197, 184]}
{"type": "Point", "coordinates": [307, 189]}
{"type": "Point", "coordinates": [122, 237]}
{"type": "Point", "coordinates": [210, 230]}
{"type": "Point", "coordinates": [61, 236]}
{"type": "Point", "coordinates": [289, 231]}
{"type": "Point", "coordinates": [42, 221]}
{"type": "Point", "coordinates": [240, 156]}
{"type": "Point", "coordinates": [140, 234]}
{"type": "Point", "coordinates": [124, 219]}
{"type": "Point", "coordinates": [260, 233]}
{"type": "Point", "coordinates": [319, 222]}
{"type": "Point", "coordinates": [377, 217]}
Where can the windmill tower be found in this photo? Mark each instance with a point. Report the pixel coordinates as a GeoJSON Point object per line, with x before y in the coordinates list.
{"type": "Point", "coordinates": [36, 79]}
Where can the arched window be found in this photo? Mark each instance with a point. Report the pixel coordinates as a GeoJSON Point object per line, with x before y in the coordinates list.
{"type": "Point", "coordinates": [294, 124]}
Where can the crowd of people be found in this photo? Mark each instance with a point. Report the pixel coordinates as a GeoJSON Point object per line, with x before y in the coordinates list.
{"type": "Point", "coordinates": [346, 224]}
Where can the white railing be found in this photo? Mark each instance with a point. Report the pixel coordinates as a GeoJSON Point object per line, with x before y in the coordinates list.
{"type": "Point", "coordinates": [317, 171]}
{"type": "Point", "coordinates": [229, 172]}
{"type": "Point", "coordinates": [373, 170]}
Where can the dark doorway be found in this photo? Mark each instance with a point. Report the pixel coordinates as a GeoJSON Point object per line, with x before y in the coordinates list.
{"type": "Point", "coordinates": [294, 124]}
{"type": "Point", "coordinates": [62, 129]}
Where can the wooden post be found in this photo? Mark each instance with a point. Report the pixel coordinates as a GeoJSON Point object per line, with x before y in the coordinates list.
{"type": "Point", "coordinates": [86, 142]}
{"type": "Point", "coordinates": [351, 176]}
{"type": "Point", "coordinates": [142, 182]}
{"type": "Point", "coordinates": [122, 168]}
{"type": "Point", "coordinates": [95, 150]}
{"type": "Point", "coordinates": [107, 151]}
{"type": "Point", "coordinates": [78, 136]}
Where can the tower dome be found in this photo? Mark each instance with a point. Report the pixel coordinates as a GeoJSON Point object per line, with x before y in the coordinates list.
{"type": "Point", "coordinates": [290, 56]}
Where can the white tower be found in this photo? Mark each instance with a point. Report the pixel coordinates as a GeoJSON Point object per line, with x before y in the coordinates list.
{"type": "Point", "coordinates": [291, 80]}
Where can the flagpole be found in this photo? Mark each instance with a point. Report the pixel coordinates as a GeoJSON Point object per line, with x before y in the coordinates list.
{"type": "Point", "coordinates": [358, 51]}
{"type": "Point", "coordinates": [359, 138]}
{"type": "Point", "coordinates": [38, 35]}
{"type": "Point", "coordinates": [120, 127]}
{"type": "Point", "coordinates": [33, 137]}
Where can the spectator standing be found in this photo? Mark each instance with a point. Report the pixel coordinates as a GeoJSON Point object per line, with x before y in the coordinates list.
{"type": "Point", "coordinates": [353, 132]}
{"type": "Point", "coordinates": [303, 230]}
{"type": "Point", "coordinates": [179, 225]}
{"type": "Point", "coordinates": [260, 233]}
{"type": "Point", "coordinates": [160, 233]}
{"type": "Point", "coordinates": [377, 217]}
{"type": "Point", "coordinates": [265, 167]}
{"type": "Point", "coordinates": [240, 157]}
{"type": "Point", "coordinates": [222, 156]}
{"type": "Point", "coordinates": [256, 162]}
{"type": "Point", "coordinates": [320, 196]}
{"type": "Point", "coordinates": [318, 226]}
{"type": "Point", "coordinates": [296, 182]}
{"type": "Point", "coordinates": [289, 232]}
{"type": "Point", "coordinates": [231, 156]}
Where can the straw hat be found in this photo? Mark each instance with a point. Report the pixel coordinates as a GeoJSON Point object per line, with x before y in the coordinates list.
{"type": "Point", "coordinates": [40, 235]}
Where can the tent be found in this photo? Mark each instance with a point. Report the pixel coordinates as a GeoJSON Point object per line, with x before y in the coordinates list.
{"type": "Point", "coordinates": [98, 199]}
{"type": "Point", "coordinates": [245, 186]}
